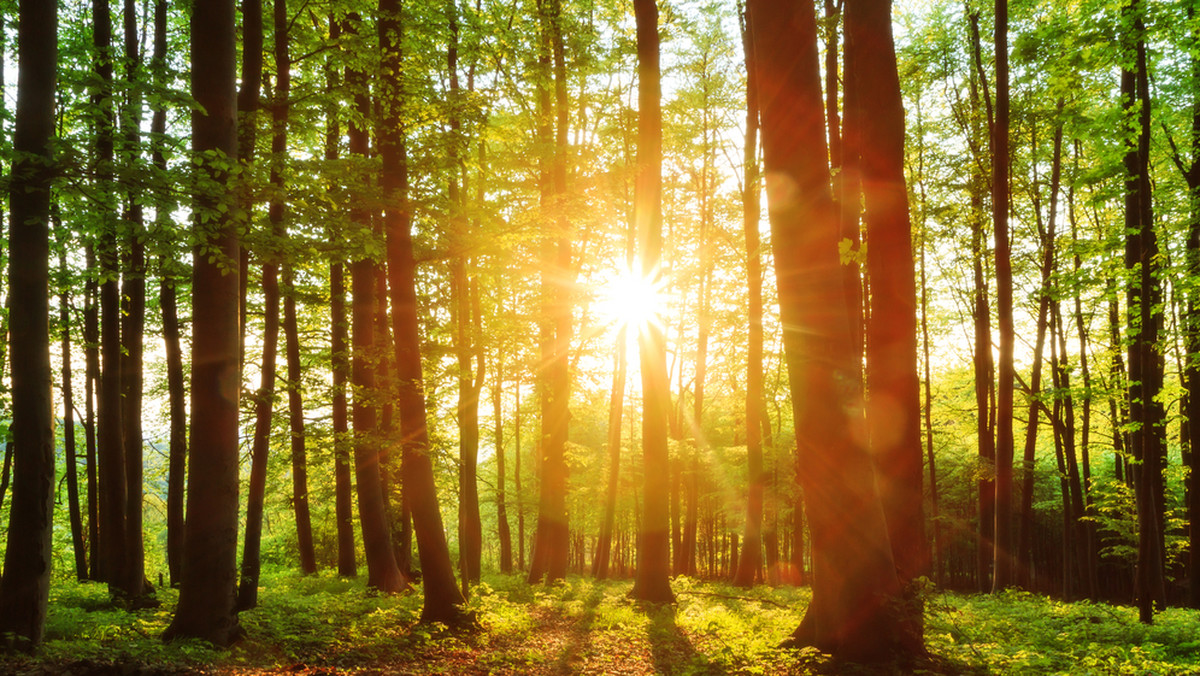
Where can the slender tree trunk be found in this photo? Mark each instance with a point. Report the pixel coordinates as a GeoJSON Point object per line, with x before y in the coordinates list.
{"type": "Point", "coordinates": [304, 535]}
{"type": "Point", "coordinates": [551, 539]}
{"type": "Point", "coordinates": [247, 133]}
{"type": "Point", "coordinates": [1143, 296]}
{"type": "Point", "coordinates": [263, 405]}
{"type": "Point", "coordinates": [936, 558]}
{"type": "Point", "coordinates": [754, 350]}
{"type": "Point", "coordinates": [616, 405]}
{"type": "Point", "coordinates": [168, 305]}
{"type": "Point", "coordinates": [25, 587]}
{"type": "Point", "coordinates": [177, 455]}
{"type": "Point", "coordinates": [443, 600]}
{"type": "Point", "coordinates": [517, 482]}
{"type": "Point", "coordinates": [133, 313]}
{"type": "Point", "coordinates": [339, 359]}
{"type": "Point", "coordinates": [1191, 175]}
{"type": "Point", "coordinates": [91, 338]}
{"type": "Point", "coordinates": [383, 573]}
{"type": "Point", "coordinates": [68, 397]}
{"type": "Point", "coordinates": [465, 295]}
{"type": "Point", "coordinates": [652, 582]}
{"type": "Point", "coordinates": [984, 368]}
{"type": "Point", "coordinates": [504, 530]}
{"type": "Point", "coordinates": [206, 608]}
{"type": "Point", "coordinates": [111, 456]}
{"type": "Point", "coordinates": [1005, 372]}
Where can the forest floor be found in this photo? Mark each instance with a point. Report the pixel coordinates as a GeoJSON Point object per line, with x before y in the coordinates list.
{"type": "Point", "coordinates": [325, 625]}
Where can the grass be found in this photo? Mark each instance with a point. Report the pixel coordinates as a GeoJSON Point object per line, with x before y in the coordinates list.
{"type": "Point", "coordinates": [325, 625]}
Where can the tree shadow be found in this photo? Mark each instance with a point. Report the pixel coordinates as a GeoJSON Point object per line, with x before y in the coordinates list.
{"type": "Point", "coordinates": [671, 649]}
{"type": "Point", "coordinates": [579, 635]}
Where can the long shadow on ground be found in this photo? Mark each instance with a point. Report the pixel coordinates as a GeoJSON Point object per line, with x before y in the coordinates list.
{"type": "Point", "coordinates": [671, 649]}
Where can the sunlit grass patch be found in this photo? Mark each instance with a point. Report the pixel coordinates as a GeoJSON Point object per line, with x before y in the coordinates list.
{"type": "Point", "coordinates": [1020, 632]}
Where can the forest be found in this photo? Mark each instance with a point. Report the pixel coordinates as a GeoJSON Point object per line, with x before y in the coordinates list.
{"type": "Point", "coordinates": [600, 336]}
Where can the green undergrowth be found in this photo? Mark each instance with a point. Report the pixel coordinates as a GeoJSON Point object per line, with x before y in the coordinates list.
{"type": "Point", "coordinates": [322, 624]}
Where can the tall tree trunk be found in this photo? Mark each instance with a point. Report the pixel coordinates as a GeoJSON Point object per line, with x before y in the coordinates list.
{"type": "Point", "coordinates": [177, 454]}
{"type": "Point", "coordinates": [893, 405]}
{"type": "Point", "coordinates": [91, 338]}
{"type": "Point", "coordinates": [1143, 296]}
{"type": "Point", "coordinates": [111, 457]}
{"type": "Point", "coordinates": [754, 349]}
{"type": "Point", "coordinates": [653, 569]}
{"type": "Point", "coordinates": [339, 359]}
{"type": "Point", "coordinates": [551, 544]}
{"type": "Point", "coordinates": [247, 133]}
{"type": "Point", "coordinates": [616, 405]}
{"type": "Point", "coordinates": [517, 480]}
{"type": "Point", "coordinates": [1191, 174]}
{"type": "Point", "coordinates": [304, 534]}
{"type": "Point", "coordinates": [168, 305]}
{"type": "Point", "coordinates": [206, 608]}
{"type": "Point", "coordinates": [1005, 372]}
{"type": "Point", "coordinates": [936, 553]}
{"type": "Point", "coordinates": [68, 397]}
{"type": "Point", "coordinates": [851, 614]}
{"type": "Point", "coordinates": [25, 587]}
{"type": "Point", "coordinates": [280, 119]}
{"type": "Point", "coordinates": [133, 313]}
{"type": "Point", "coordinates": [1024, 553]}
{"type": "Point", "coordinates": [465, 309]}
{"type": "Point", "coordinates": [382, 571]}
{"type": "Point", "coordinates": [343, 508]}
{"type": "Point", "coordinates": [504, 530]}
{"type": "Point", "coordinates": [263, 405]}
{"type": "Point", "coordinates": [984, 367]}
{"type": "Point", "coordinates": [443, 600]}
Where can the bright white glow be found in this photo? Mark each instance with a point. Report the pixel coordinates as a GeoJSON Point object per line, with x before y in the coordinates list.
{"type": "Point", "coordinates": [629, 298]}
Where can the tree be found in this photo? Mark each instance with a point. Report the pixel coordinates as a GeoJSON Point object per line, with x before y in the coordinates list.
{"type": "Point", "coordinates": [751, 190]}
{"type": "Point", "coordinates": [25, 587]}
{"type": "Point", "coordinates": [382, 572]}
{"type": "Point", "coordinates": [550, 547]}
{"type": "Point", "coordinates": [652, 582]}
{"type": "Point", "coordinates": [68, 398]}
{"type": "Point", "coordinates": [264, 398]}
{"type": "Point", "coordinates": [168, 305]}
{"type": "Point", "coordinates": [893, 405]}
{"type": "Point", "coordinates": [443, 600]}
{"type": "Point", "coordinates": [1143, 295]}
{"type": "Point", "coordinates": [111, 453]}
{"type": "Point", "coordinates": [855, 583]}
{"type": "Point", "coordinates": [1005, 372]}
{"type": "Point", "coordinates": [206, 608]}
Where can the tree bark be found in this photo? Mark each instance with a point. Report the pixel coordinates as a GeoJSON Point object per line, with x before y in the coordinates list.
{"type": "Point", "coordinates": [1002, 567]}
{"type": "Point", "coordinates": [68, 397]}
{"type": "Point", "coordinates": [25, 587]}
{"type": "Point", "coordinates": [984, 367]}
{"type": "Point", "coordinates": [754, 350]}
{"type": "Point", "coordinates": [168, 305]}
{"type": "Point", "coordinates": [206, 608]}
{"type": "Point", "coordinates": [382, 571]}
{"type": "Point", "coordinates": [111, 453]}
{"type": "Point", "coordinates": [443, 600]}
{"type": "Point", "coordinates": [551, 544]}
{"type": "Point", "coordinates": [652, 582]}
{"type": "Point", "coordinates": [851, 614]}
{"type": "Point", "coordinates": [1143, 296]}
{"type": "Point", "coordinates": [893, 405]}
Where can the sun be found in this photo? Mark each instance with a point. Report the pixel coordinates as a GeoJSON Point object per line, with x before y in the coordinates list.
{"type": "Point", "coordinates": [629, 298]}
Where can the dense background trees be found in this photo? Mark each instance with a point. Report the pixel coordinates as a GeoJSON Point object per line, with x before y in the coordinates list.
{"type": "Point", "coordinates": [446, 208]}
